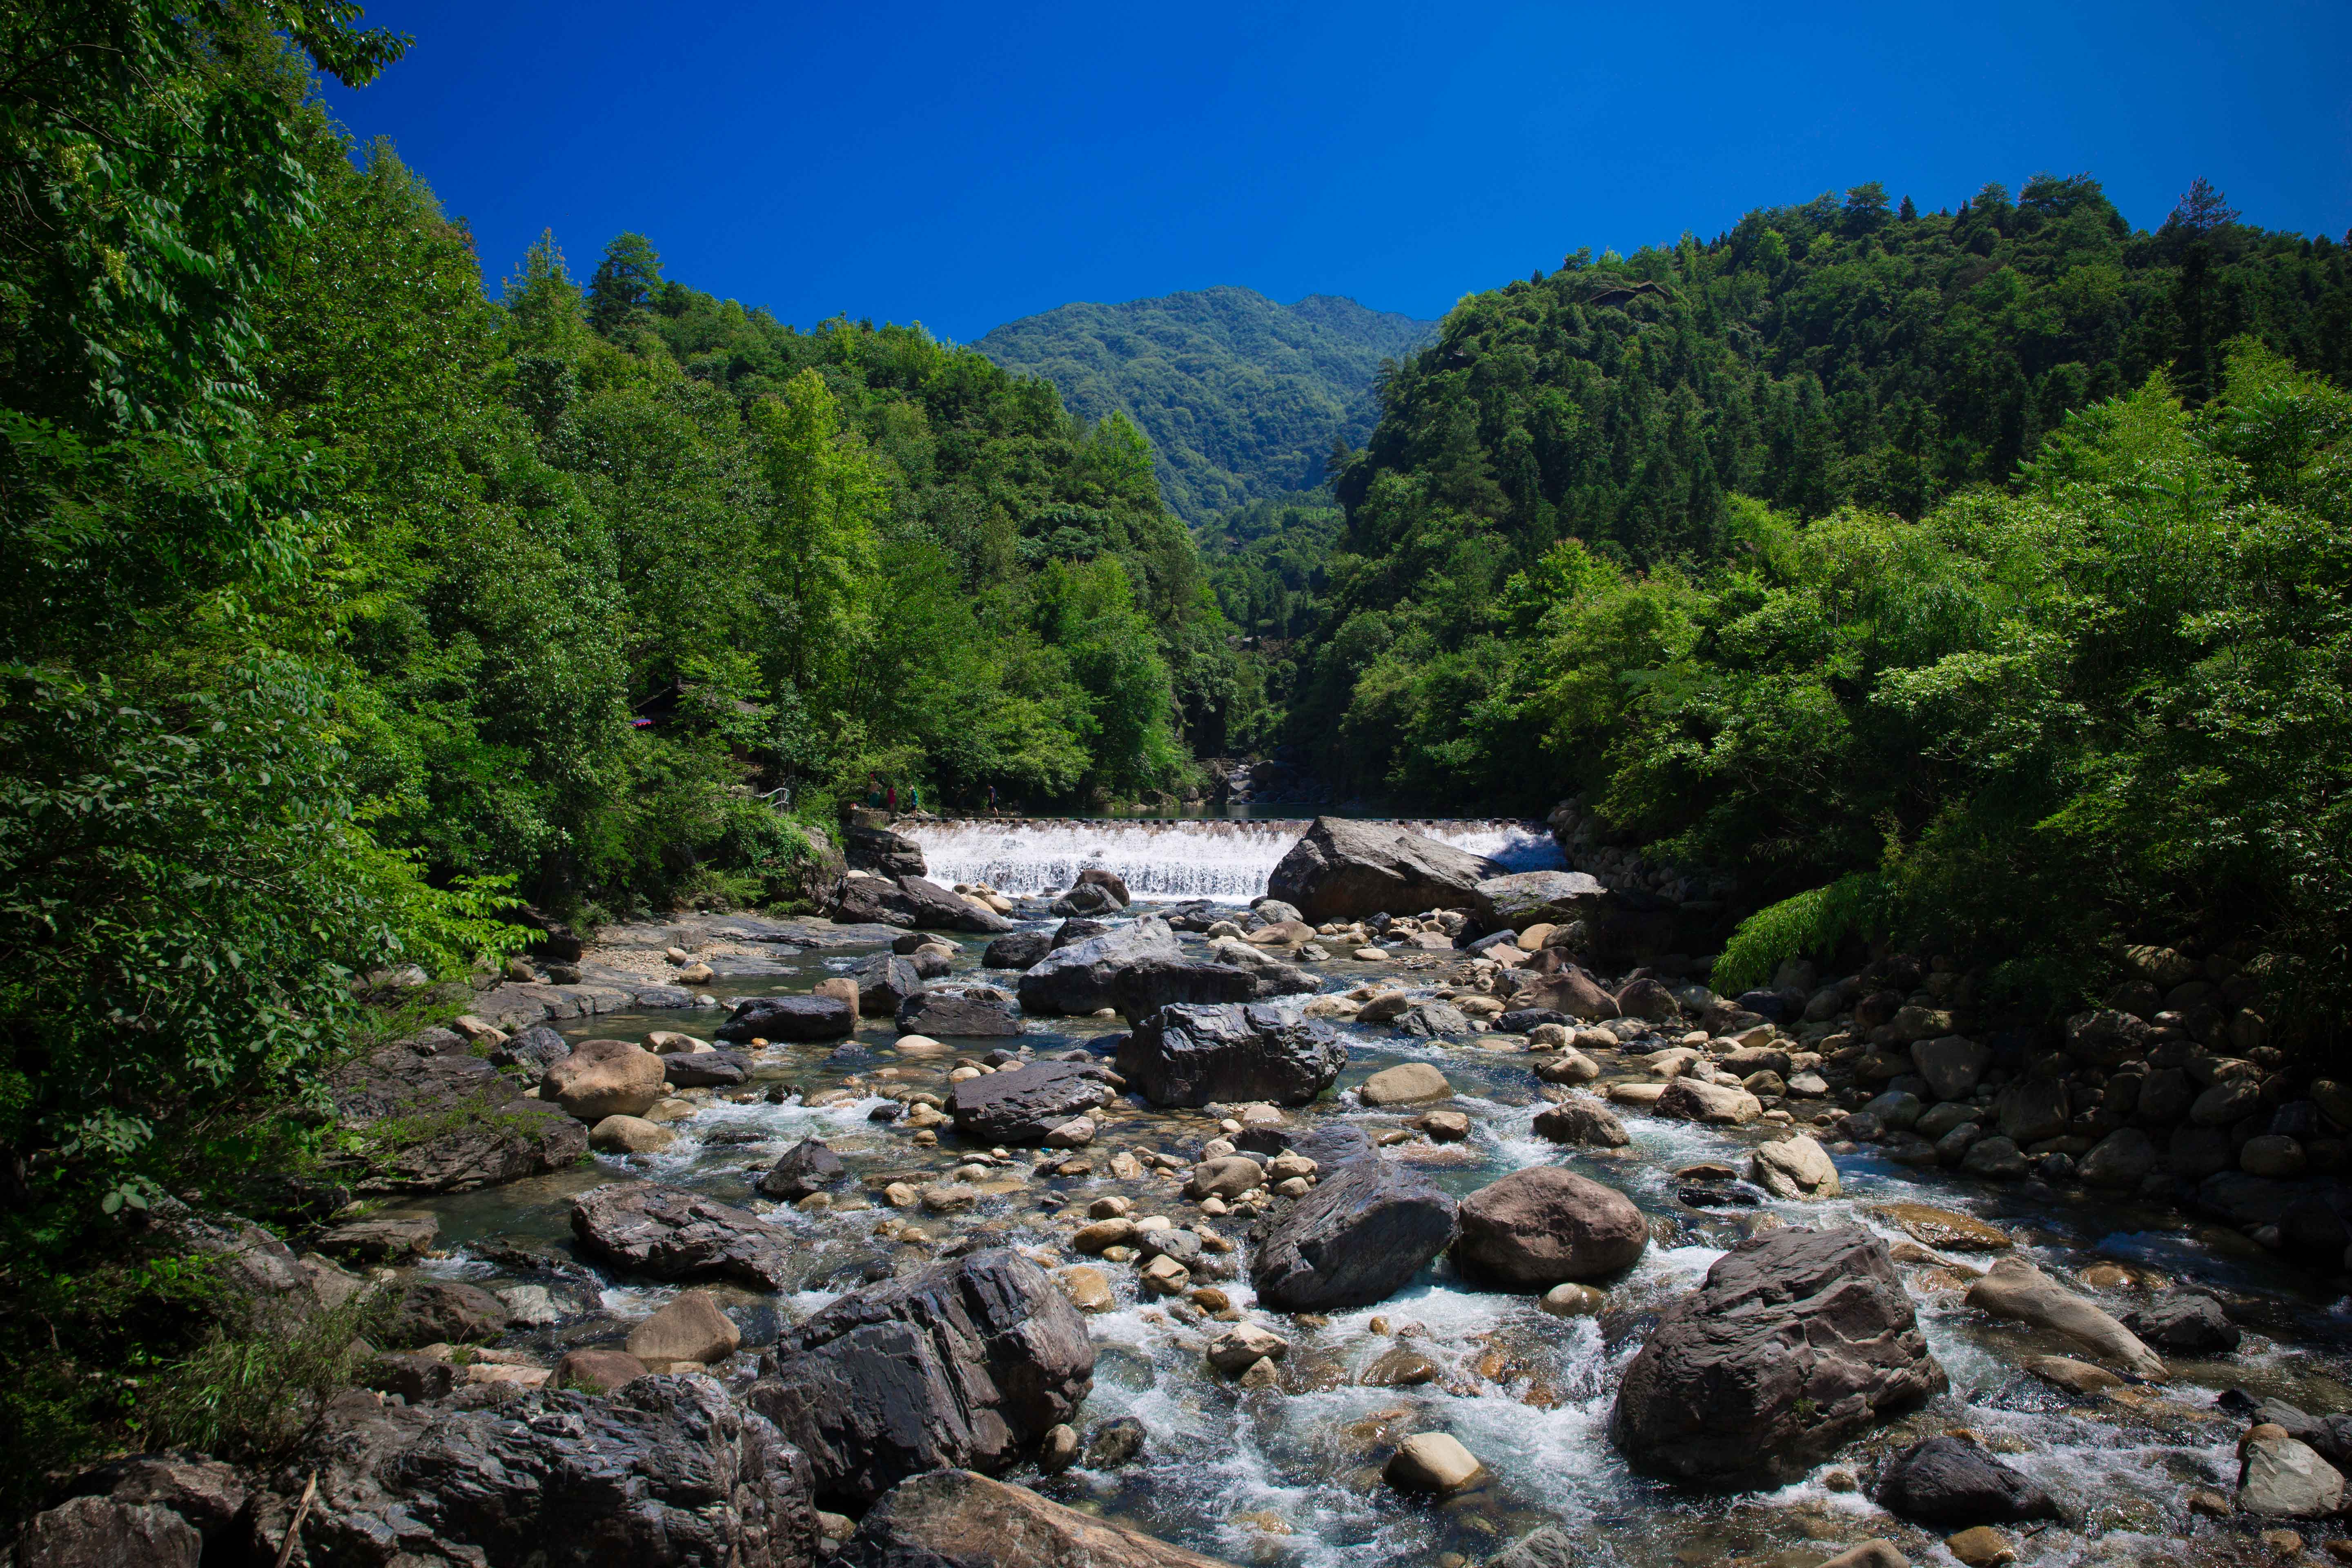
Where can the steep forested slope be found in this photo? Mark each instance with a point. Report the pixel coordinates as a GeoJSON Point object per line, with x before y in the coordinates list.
{"type": "Point", "coordinates": [1242, 397]}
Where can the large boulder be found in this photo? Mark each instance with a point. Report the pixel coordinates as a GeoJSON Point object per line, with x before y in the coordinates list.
{"type": "Point", "coordinates": [1086, 899]}
{"type": "Point", "coordinates": [1581, 1122]}
{"type": "Point", "coordinates": [910, 902]}
{"type": "Point", "coordinates": [1797, 1342]}
{"type": "Point", "coordinates": [1545, 1225]}
{"type": "Point", "coordinates": [1358, 1237]}
{"type": "Point", "coordinates": [1186, 1055]}
{"type": "Point", "coordinates": [479, 1128]}
{"type": "Point", "coordinates": [2280, 1476]}
{"type": "Point", "coordinates": [955, 1519]}
{"type": "Point", "coordinates": [663, 1472]}
{"type": "Point", "coordinates": [885, 981]}
{"type": "Point", "coordinates": [788, 1018]}
{"type": "Point", "coordinates": [870, 847]}
{"type": "Point", "coordinates": [1522, 898]}
{"type": "Point", "coordinates": [966, 1363]}
{"type": "Point", "coordinates": [1570, 991]}
{"type": "Point", "coordinates": [104, 1532]}
{"type": "Point", "coordinates": [1794, 1167]}
{"type": "Point", "coordinates": [1018, 949]}
{"type": "Point", "coordinates": [1951, 1483]}
{"type": "Point", "coordinates": [1142, 989]}
{"type": "Point", "coordinates": [1721, 1104]}
{"type": "Point", "coordinates": [2184, 1322]}
{"type": "Point", "coordinates": [670, 1233]}
{"type": "Point", "coordinates": [959, 1012]}
{"type": "Point", "coordinates": [1343, 870]}
{"type": "Point", "coordinates": [704, 1069]}
{"type": "Point", "coordinates": [604, 1077]}
{"type": "Point", "coordinates": [1078, 978]}
{"type": "Point", "coordinates": [1022, 1104]}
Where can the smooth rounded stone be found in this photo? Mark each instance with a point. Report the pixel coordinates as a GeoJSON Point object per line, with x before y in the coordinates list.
{"type": "Point", "coordinates": [1794, 1167]}
{"type": "Point", "coordinates": [1948, 1481]}
{"type": "Point", "coordinates": [791, 1019]}
{"type": "Point", "coordinates": [1995, 1159]}
{"type": "Point", "coordinates": [1242, 1346]}
{"type": "Point", "coordinates": [596, 1370]}
{"type": "Point", "coordinates": [1228, 1177]}
{"type": "Point", "coordinates": [1980, 1546]}
{"type": "Point", "coordinates": [706, 1069]}
{"type": "Point", "coordinates": [1407, 1083]}
{"type": "Point", "coordinates": [2078, 1377]}
{"type": "Point", "coordinates": [1356, 1239]}
{"type": "Point", "coordinates": [1952, 1065]}
{"type": "Point", "coordinates": [629, 1135]}
{"type": "Point", "coordinates": [1429, 1020]}
{"type": "Point", "coordinates": [1088, 1287]}
{"type": "Point", "coordinates": [1947, 1230]}
{"type": "Point", "coordinates": [1115, 1442]}
{"type": "Point", "coordinates": [2196, 1152]}
{"type": "Point", "coordinates": [1640, 1096]}
{"type": "Point", "coordinates": [107, 1532]}
{"type": "Point", "coordinates": [1112, 1230]}
{"type": "Point", "coordinates": [2184, 1322]}
{"type": "Point", "coordinates": [2271, 1155]}
{"type": "Point", "coordinates": [1798, 1342]}
{"type": "Point", "coordinates": [1687, 1100]}
{"type": "Point", "coordinates": [668, 1109]}
{"type": "Point", "coordinates": [2016, 1289]}
{"type": "Point", "coordinates": [1018, 949]}
{"type": "Point", "coordinates": [1074, 1134]}
{"type": "Point", "coordinates": [2121, 1160]}
{"type": "Point", "coordinates": [959, 1013]}
{"type": "Point", "coordinates": [1874, 1553]}
{"type": "Point", "coordinates": [1191, 1054]}
{"type": "Point", "coordinates": [2283, 1478]}
{"type": "Point", "coordinates": [808, 1166]}
{"type": "Point", "coordinates": [843, 989]}
{"type": "Point", "coordinates": [1570, 992]}
{"type": "Point", "coordinates": [1649, 1000]}
{"type": "Point", "coordinates": [2230, 1099]}
{"type": "Point", "coordinates": [1400, 1367]}
{"type": "Point", "coordinates": [1574, 1299]}
{"type": "Point", "coordinates": [1537, 1227]}
{"type": "Point", "coordinates": [379, 1238]}
{"type": "Point", "coordinates": [1570, 1065]}
{"type": "Point", "coordinates": [1344, 869]}
{"type": "Point", "coordinates": [1433, 1463]}
{"type": "Point", "coordinates": [1584, 1122]}
{"type": "Point", "coordinates": [671, 1233]}
{"type": "Point", "coordinates": [604, 1077]}
{"type": "Point", "coordinates": [959, 1518]}
{"type": "Point", "coordinates": [967, 1364]}
{"type": "Point", "coordinates": [2030, 1109]}
{"type": "Point", "coordinates": [1023, 1105]}
{"type": "Point", "coordinates": [1896, 1109]}
{"type": "Point", "coordinates": [1059, 1449]}
{"type": "Point", "coordinates": [691, 1327]}
{"type": "Point", "coordinates": [1444, 1126]}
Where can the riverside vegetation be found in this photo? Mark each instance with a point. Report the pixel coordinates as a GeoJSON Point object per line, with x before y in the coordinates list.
{"type": "Point", "coordinates": [1956, 596]}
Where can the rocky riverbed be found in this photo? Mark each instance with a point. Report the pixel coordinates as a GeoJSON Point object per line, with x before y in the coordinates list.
{"type": "Point", "coordinates": [1283, 1235]}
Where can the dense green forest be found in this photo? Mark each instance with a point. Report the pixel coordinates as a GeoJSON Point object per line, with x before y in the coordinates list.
{"type": "Point", "coordinates": [1241, 398]}
{"type": "Point", "coordinates": [1991, 560]}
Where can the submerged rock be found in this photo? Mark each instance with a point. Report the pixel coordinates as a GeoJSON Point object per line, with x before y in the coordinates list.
{"type": "Point", "coordinates": [1798, 1342]}
{"type": "Point", "coordinates": [1189, 1054]}
{"type": "Point", "coordinates": [2016, 1289]}
{"type": "Point", "coordinates": [1951, 1482]}
{"type": "Point", "coordinates": [1024, 1104]}
{"type": "Point", "coordinates": [955, 1519]}
{"type": "Point", "coordinates": [967, 1364]}
{"type": "Point", "coordinates": [1357, 1238]}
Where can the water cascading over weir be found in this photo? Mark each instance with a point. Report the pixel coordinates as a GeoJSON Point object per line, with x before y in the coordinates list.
{"type": "Point", "coordinates": [1225, 860]}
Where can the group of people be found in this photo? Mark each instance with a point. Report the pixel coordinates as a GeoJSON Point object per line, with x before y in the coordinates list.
{"type": "Point", "coordinates": [882, 796]}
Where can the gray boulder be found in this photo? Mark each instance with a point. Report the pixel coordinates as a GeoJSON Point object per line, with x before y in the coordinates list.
{"type": "Point", "coordinates": [808, 1166]}
{"type": "Point", "coordinates": [910, 901]}
{"type": "Point", "coordinates": [961, 1011]}
{"type": "Point", "coordinates": [1343, 870]}
{"type": "Point", "coordinates": [1797, 1342]}
{"type": "Point", "coordinates": [886, 854]}
{"type": "Point", "coordinates": [1086, 899]}
{"type": "Point", "coordinates": [788, 1018]}
{"type": "Point", "coordinates": [954, 1518]}
{"type": "Point", "coordinates": [1951, 1483]}
{"type": "Point", "coordinates": [1426, 1020]}
{"type": "Point", "coordinates": [1520, 899]}
{"type": "Point", "coordinates": [885, 981]}
{"type": "Point", "coordinates": [1021, 1105]}
{"type": "Point", "coordinates": [1193, 1055]}
{"type": "Point", "coordinates": [663, 1472]}
{"type": "Point", "coordinates": [1079, 978]}
{"type": "Point", "coordinates": [1358, 1237]}
{"type": "Point", "coordinates": [966, 1363]}
{"type": "Point", "coordinates": [1016, 950]}
{"type": "Point", "coordinates": [670, 1233]}
{"type": "Point", "coordinates": [101, 1532]}
{"type": "Point", "coordinates": [1142, 989]}
{"type": "Point", "coordinates": [482, 1129]}
{"type": "Point", "coordinates": [704, 1069]}
{"type": "Point", "coordinates": [2184, 1322]}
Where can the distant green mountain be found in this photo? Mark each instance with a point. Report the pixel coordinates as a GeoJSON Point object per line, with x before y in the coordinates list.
{"type": "Point", "coordinates": [1242, 397]}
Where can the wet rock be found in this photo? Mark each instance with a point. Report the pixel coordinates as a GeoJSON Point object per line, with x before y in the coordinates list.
{"type": "Point", "coordinates": [1798, 1341]}
{"type": "Point", "coordinates": [1537, 1227]}
{"type": "Point", "coordinates": [1948, 1481]}
{"type": "Point", "coordinates": [1980, 1546]}
{"type": "Point", "coordinates": [961, 1012]}
{"type": "Point", "coordinates": [1444, 1126]}
{"type": "Point", "coordinates": [670, 1233]}
{"type": "Point", "coordinates": [955, 1519]}
{"type": "Point", "coordinates": [2184, 1322]}
{"type": "Point", "coordinates": [1687, 1100]}
{"type": "Point", "coordinates": [1087, 1287]}
{"type": "Point", "coordinates": [788, 1019]}
{"type": "Point", "coordinates": [1545, 1548]}
{"type": "Point", "coordinates": [629, 1135]}
{"type": "Point", "coordinates": [1023, 1105]}
{"type": "Point", "coordinates": [1228, 1177]}
{"type": "Point", "coordinates": [664, 1472]}
{"type": "Point", "coordinates": [1582, 1122]}
{"type": "Point", "coordinates": [2284, 1479]}
{"type": "Point", "coordinates": [1434, 1463]}
{"type": "Point", "coordinates": [808, 1166]}
{"type": "Point", "coordinates": [379, 1238]}
{"type": "Point", "coordinates": [1573, 1300]}
{"type": "Point", "coordinates": [102, 1533]}
{"type": "Point", "coordinates": [1356, 1239]}
{"type": "Point", "coordinates": [1794, 1167]}
{"type": "Point", "coordinates": [1242, 1346]}
{"type": "Point", "coordinates": [914, 901]}
{"type": "Point", "coordinates": [2016, 1289]}
{"type": "Point", "coordinates": [1085, 900]}
{"type": "Point", "coordinates": [1079, 978]}
{"type": "Point", "coordinates": [690, 1327]}
{"type": "Point", "coordinates": [1119, 1441]}
{"type": "Point", "coordinates": [1343, 870]}
{"type": "Point", "coordinates": [595, 1370]}
{"type": "Point", "coordinates": [1407, 1083]}
{"type": "Point", "coordinates": [704, 1069]}
{"type": "Point", "coordinates": [1016, 950]}
{"type": "Point", "coordinates": [1190, 1055]}
{"type": "Point", "coordinates": [1995, 1160]}
{"type": "Point", "coordinates": [886, 980]}
{"type": "Point", "coordinates": [2077, 1377]}
{"type": "Point", "coordinates": [1869, 1554]}
{"type": "Point", "coordinates": [968, 1363]}
{"type": "Point", "coordinates": [1427, 1019]}
{"type": "Point", "coordinates": [2122, 1159]}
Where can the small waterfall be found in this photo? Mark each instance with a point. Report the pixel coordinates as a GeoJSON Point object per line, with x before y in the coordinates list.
{"type": "Point", "coordinates": [1226, 859]}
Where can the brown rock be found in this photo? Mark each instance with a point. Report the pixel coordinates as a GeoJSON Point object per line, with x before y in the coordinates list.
{"type": "Point", "coordinates": [597, 1371]}
{"type": "Point", "coordinates": [604, 1077]}
{"type": "Point", "coordinates": [1537, 1227]}
{"type": "Point", "coordinates": [691, 1328]}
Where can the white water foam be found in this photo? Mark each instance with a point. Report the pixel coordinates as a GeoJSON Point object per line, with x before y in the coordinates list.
{"type": "Point", "coordinates": [1227, 861]}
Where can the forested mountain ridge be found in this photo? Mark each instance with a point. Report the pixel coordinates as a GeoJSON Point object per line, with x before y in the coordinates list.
{"type": "Point", "coordinates": [1242, 397]}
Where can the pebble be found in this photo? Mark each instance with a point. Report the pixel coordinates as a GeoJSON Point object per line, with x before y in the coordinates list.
{"type": "Point", "coordinates": [1980, 1546]}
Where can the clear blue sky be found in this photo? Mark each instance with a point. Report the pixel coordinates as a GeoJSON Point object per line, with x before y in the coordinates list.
{"type": "Point", "coordinates": [963, 165]}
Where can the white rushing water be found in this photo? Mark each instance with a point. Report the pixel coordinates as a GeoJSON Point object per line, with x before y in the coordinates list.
{"type": "Point", "coordinates": [1208, 858]}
